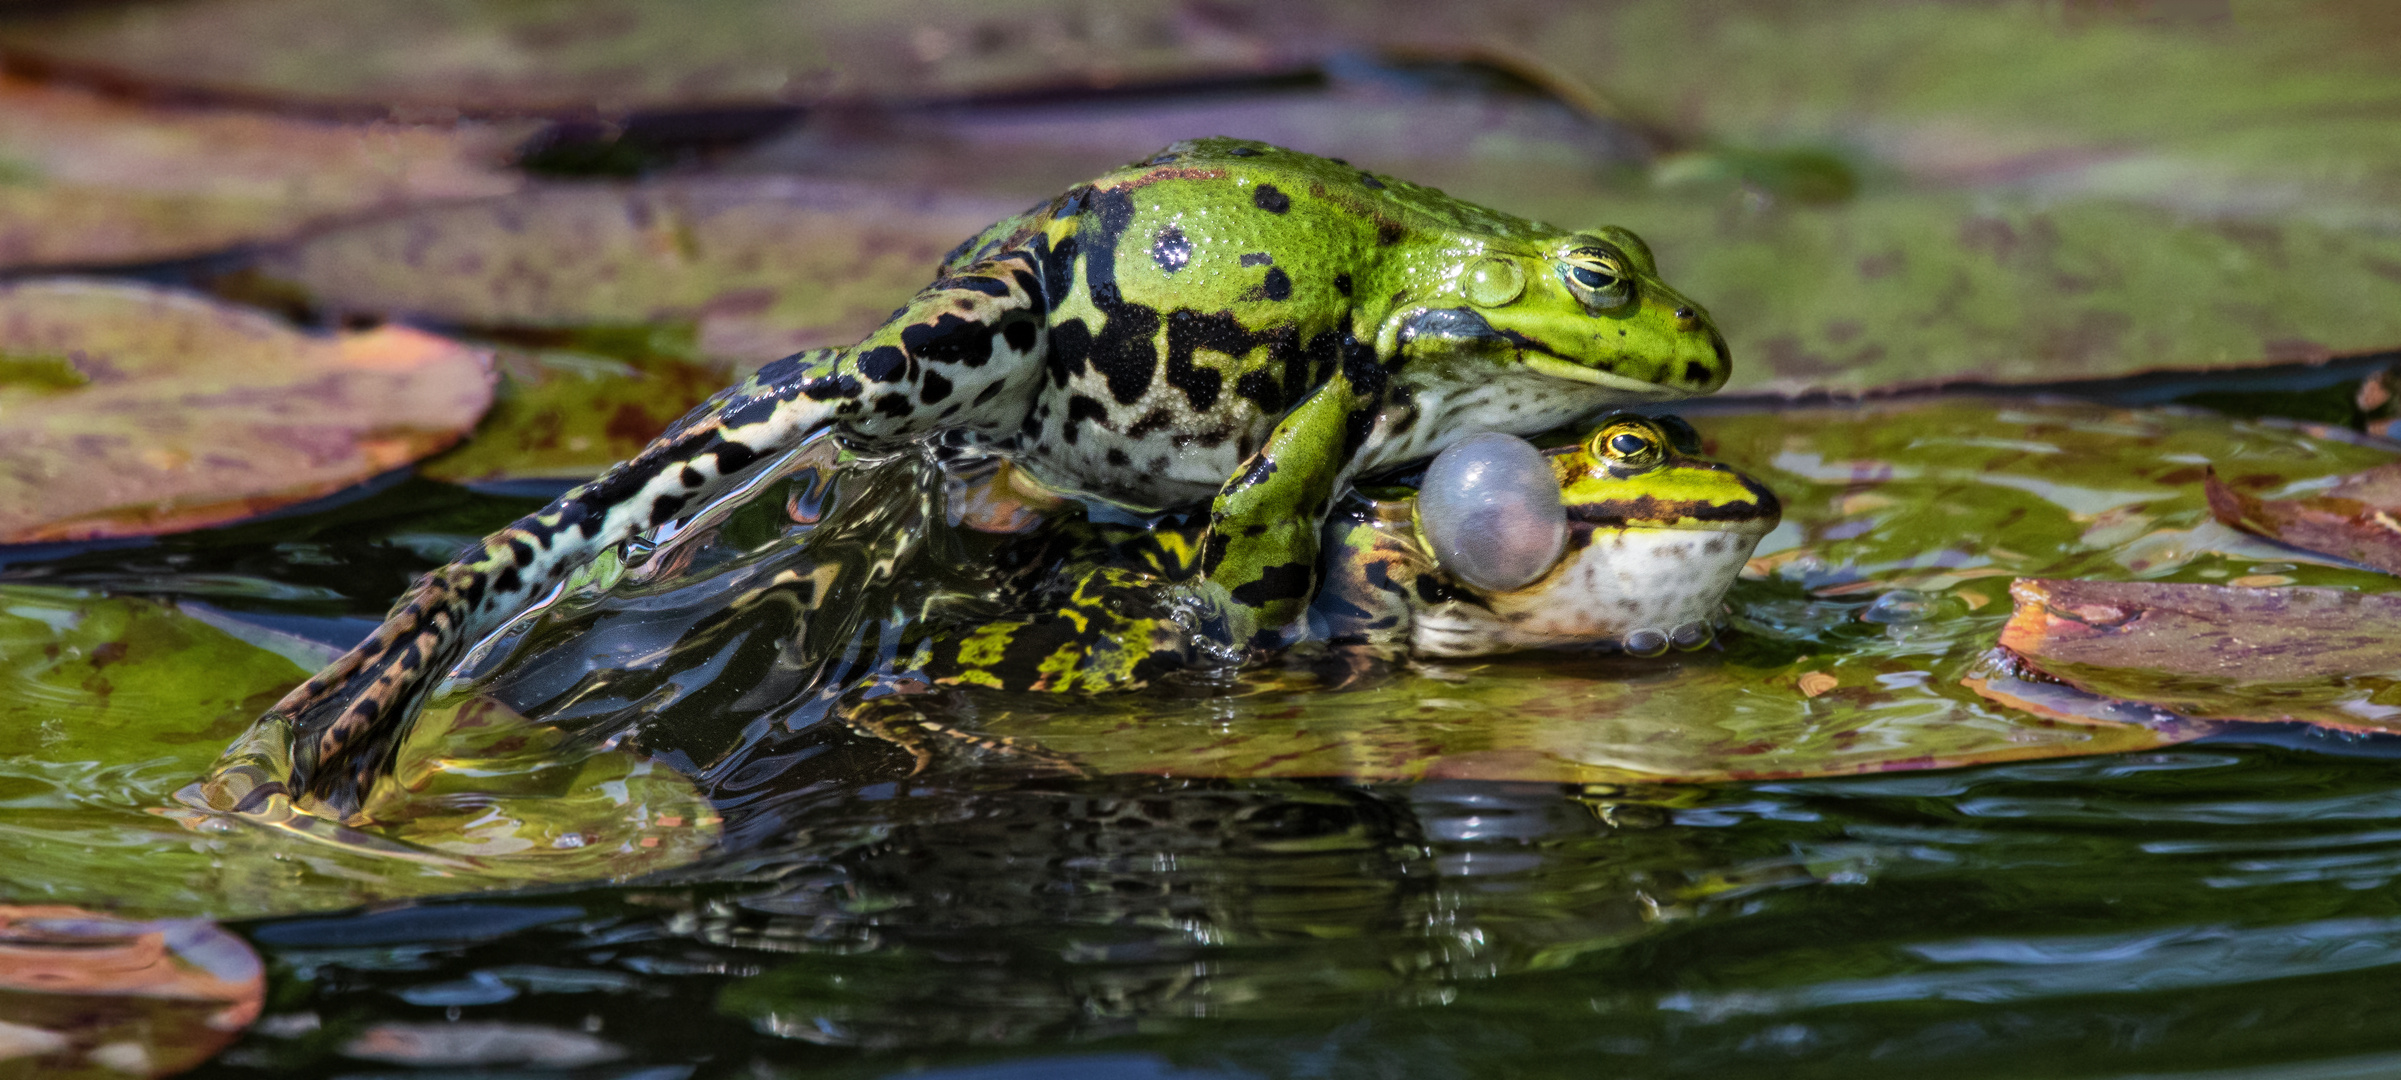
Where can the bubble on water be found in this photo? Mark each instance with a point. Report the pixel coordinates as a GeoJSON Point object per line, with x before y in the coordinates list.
{"type": "Point", "coordinates": [1899, 606]}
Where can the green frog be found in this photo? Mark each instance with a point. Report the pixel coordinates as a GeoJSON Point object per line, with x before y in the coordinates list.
{"type": "Point", "coordinates": [1624, 541]}
{"type": "Point", "coordinates": [1225, 322]}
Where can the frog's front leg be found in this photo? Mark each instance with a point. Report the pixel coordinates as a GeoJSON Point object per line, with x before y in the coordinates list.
{"type": "Point", "coordinates": [960, 355]}
{"type": "Point", "coordinates": [1368, 601]}
{"type": "Point", "coordinates": [1259, 565]}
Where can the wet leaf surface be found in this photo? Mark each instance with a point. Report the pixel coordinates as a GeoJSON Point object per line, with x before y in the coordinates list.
{"type": "Point", "coordinates": [2350, 519]}
{"type": "Point", "coordinates": [86, 994]}
{"type": "Point", "coordinates": [94, 180]}
{"type": "Point", "coordinates": [2312, 655]}
{"type": "Point", "coordinates": [139, 410]}
{"type": "Point", "coordinates": [108, 706]}
{"type": "Point", "coordinates": [565, 414]}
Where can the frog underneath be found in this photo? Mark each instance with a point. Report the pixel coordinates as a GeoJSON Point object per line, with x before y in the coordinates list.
{"type": "Point", "coordinates": [1626, 540]}
{"type": "Point", "coordinates": [1224, 321]}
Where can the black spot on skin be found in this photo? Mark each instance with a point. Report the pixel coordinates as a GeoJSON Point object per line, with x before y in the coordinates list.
{"type": "Point", "coordinates": [1123, 350]}
{"type": "Point", "coordinates": [508, 582]}
{"type": "Point", "coordinates": [1020, 336]}
{"type": "Point", "coordinates": [1081, 410]}
{"type": "Point", "coordinates": [1433, 591]}
{"type": "Point", "coordinates": [784, 370]}
{"type": "Point", "coordinates": [974, 284]}
{"type": "Point", "coordinates": [1695, 372]}
{"type": "Point", "coordinates": [1213, 553]}
{"type": "Point", "coordinates": [1449, 324]}
{"type": "Point", "coordinates": [934, 388]}
{"type": "Point", "coordinates": [949, 340]}
{"type": "Point", "coordinates": [664, 509]}
{"type": "Point", "coordinates": [1371, 181]}
{"type": "Point", "coordinates": [1070, 347]}
{"type": "Point", "coordinates": [992, 391]}
{"type": "Point", "coordinates": [1152, 423]}
{"type": "Point", "coordinates": [1278, 285]}
{"type": "Point", "coordinates": [1355, 427]}
{"type": "Point", "coordinates": [952, 411]}
{"type": "Point", "coordinates": [883, 363]}
{"type": "Point", "coordinates": [829, 387]}
{"type": "Point", "coordinates": [1342, 284]}
{"type": "Point", "coordinates": [1267, 198]}
{"type": "Point", "coordinates": [1058, 263]}
{"type": "Point", "coordinates": [1252, 476]}
{"type": "Point", "coordinates": [893, 405]}
{"type": "Point", "coordinates": [1288, 581]}
{"type": "Point", "coordinates": [1260, 387]}
{"type": "Point", "coordinates": [691, 477]}
{"type": "Point", "coordinates": [1388, 233]}
{"type": "Point", "coordinates": [756, 409]}
{"type": "Point", "coordinates": [1242, 151]}
{"type": "Point", "coordinates": [520, 552]}
{"type": "Point", "coordinates": [1118, 458]}
{"type": "Point", "coordinates": [733, 457]}
{"type": "Point", "coordinates": [1258, 258]}
{"type": "Point", "coordinates": [1171, 250]}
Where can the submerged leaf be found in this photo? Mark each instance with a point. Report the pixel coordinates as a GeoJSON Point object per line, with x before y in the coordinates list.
{"type": "Point", "coordinates": [191, 413]}
{"type": "Point", "coordinates": [2353, 520]}
{"type": "Point", "coordinates": [109, 705]}
{"type": "Point", "coordinates": [86, 179]}
{"type": "Point", "coordinates": [2330, 657]}
{"type": "Point", "coordinates": [85, 994]}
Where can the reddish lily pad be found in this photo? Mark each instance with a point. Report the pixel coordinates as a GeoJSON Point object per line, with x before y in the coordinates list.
{"type": "Point", "coordinates": [88, 995]}
{"type": "Point", "coordinates": [2330, 657]}
{"type": "Point", "coordinates": [94, 180]}
{"type": "Point", "coordinates": [759, 267]}
{"type": "Point", "coordinates": [2354, 519]}
{"type": "Point", "coordinates": [135, 410]}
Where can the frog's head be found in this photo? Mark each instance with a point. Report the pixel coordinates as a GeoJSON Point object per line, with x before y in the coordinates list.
{"type": "Point", "coordinates": [1626, 539]}
{"type": "Point", "coordinates": [1587, 307]}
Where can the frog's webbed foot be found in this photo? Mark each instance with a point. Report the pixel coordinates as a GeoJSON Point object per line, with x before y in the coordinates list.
{"type": "Point", "coordinates": [348, 720]}
{"type": "Point", "coordinates": [911, 722]}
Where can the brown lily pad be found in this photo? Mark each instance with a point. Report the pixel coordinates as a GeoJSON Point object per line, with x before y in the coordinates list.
{"type": "Point", "coordinates": [2322, 656]}
{"type": "Point", "coordinates": [133, 410]}
{"type": "Point", "coordinates": [566, 414]}
{"type": "Point", "coordinates": [84, 994]}
{"type": "Point", "coordinates": [2358, 518]}
{"type": "Point", "coordinates": [759, 267]}
{"type": "Point", "coordinates": [92, 180]}
{"type": "Point", "coordinates": [581, 55]}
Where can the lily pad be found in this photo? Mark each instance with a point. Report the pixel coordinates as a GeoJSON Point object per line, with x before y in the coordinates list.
{"type": "Point", "coordinates": [133, 410]}
{"type": "Point", "coordinates": [109, 705]}
{"type": "Point", "coordinates": [94, 180]}
{"type": "Point", "coordinates": [565, 414]}
{"type": "Point", "coordinates": [2330, 657]}
{"type": "Point", "coordinates": [757, 267]}
{"type": "Point", "coordinates": [2352, 519]}
{"type": "Point", "coordinates": [89, 995]}
{"type": "Point", "coordinates": [580, 55]}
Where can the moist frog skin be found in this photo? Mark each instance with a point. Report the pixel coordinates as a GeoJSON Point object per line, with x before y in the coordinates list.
{"type": "Point", "coordinates": [1225, 322]}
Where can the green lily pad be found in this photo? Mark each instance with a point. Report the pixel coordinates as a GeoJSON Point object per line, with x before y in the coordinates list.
{"type": "Point", "coordinates": [131, 410]}
{"type": "Point", "coordinates": [109, 705]}
{"type": "Point", "coordinates": [92, 180]}
{"type": "Point", "coordinates": [566, 414]}
{"type": "Point", "coordinates": [757, 267]}
{"type": "Point", "coordinates": [2328, 657]}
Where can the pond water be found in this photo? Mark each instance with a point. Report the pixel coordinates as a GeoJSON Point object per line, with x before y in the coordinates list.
{"type": "Point", "coordinates": [640, 842]}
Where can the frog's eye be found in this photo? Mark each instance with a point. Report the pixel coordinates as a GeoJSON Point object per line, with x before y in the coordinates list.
{"type": "Point", "coordinates": [1630, 444]}
{"type": "Point", "coordinates": [1489, 507]}
{"type": "Point", "coordinates": [1679, 434]}
{"type": "Point", "coordinates": [1598, 277]}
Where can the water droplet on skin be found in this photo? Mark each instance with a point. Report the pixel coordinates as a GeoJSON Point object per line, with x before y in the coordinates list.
{"type": "Point", "coordinates": [1489, 506]}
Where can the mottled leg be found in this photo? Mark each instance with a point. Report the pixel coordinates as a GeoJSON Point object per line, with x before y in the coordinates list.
{"type": "Point", "coordinates": [1260, 561]}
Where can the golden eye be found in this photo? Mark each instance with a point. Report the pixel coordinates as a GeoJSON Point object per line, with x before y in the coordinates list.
{"type": "Point", "coordinates": [1629, 445]}
{"type": "Point", "coordinates": [1599, 276]}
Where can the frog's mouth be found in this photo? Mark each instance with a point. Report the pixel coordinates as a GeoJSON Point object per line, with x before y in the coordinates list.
{"type": "Point", "coordinates": [1630, 388]}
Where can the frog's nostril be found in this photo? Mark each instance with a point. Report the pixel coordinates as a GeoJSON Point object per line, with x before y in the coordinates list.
{"type": "Point", "coordinates": [1684, 313]}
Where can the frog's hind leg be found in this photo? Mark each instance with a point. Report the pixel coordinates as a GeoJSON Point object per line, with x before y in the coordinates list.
{"type": "Point", "coordinates": [962, 354]}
